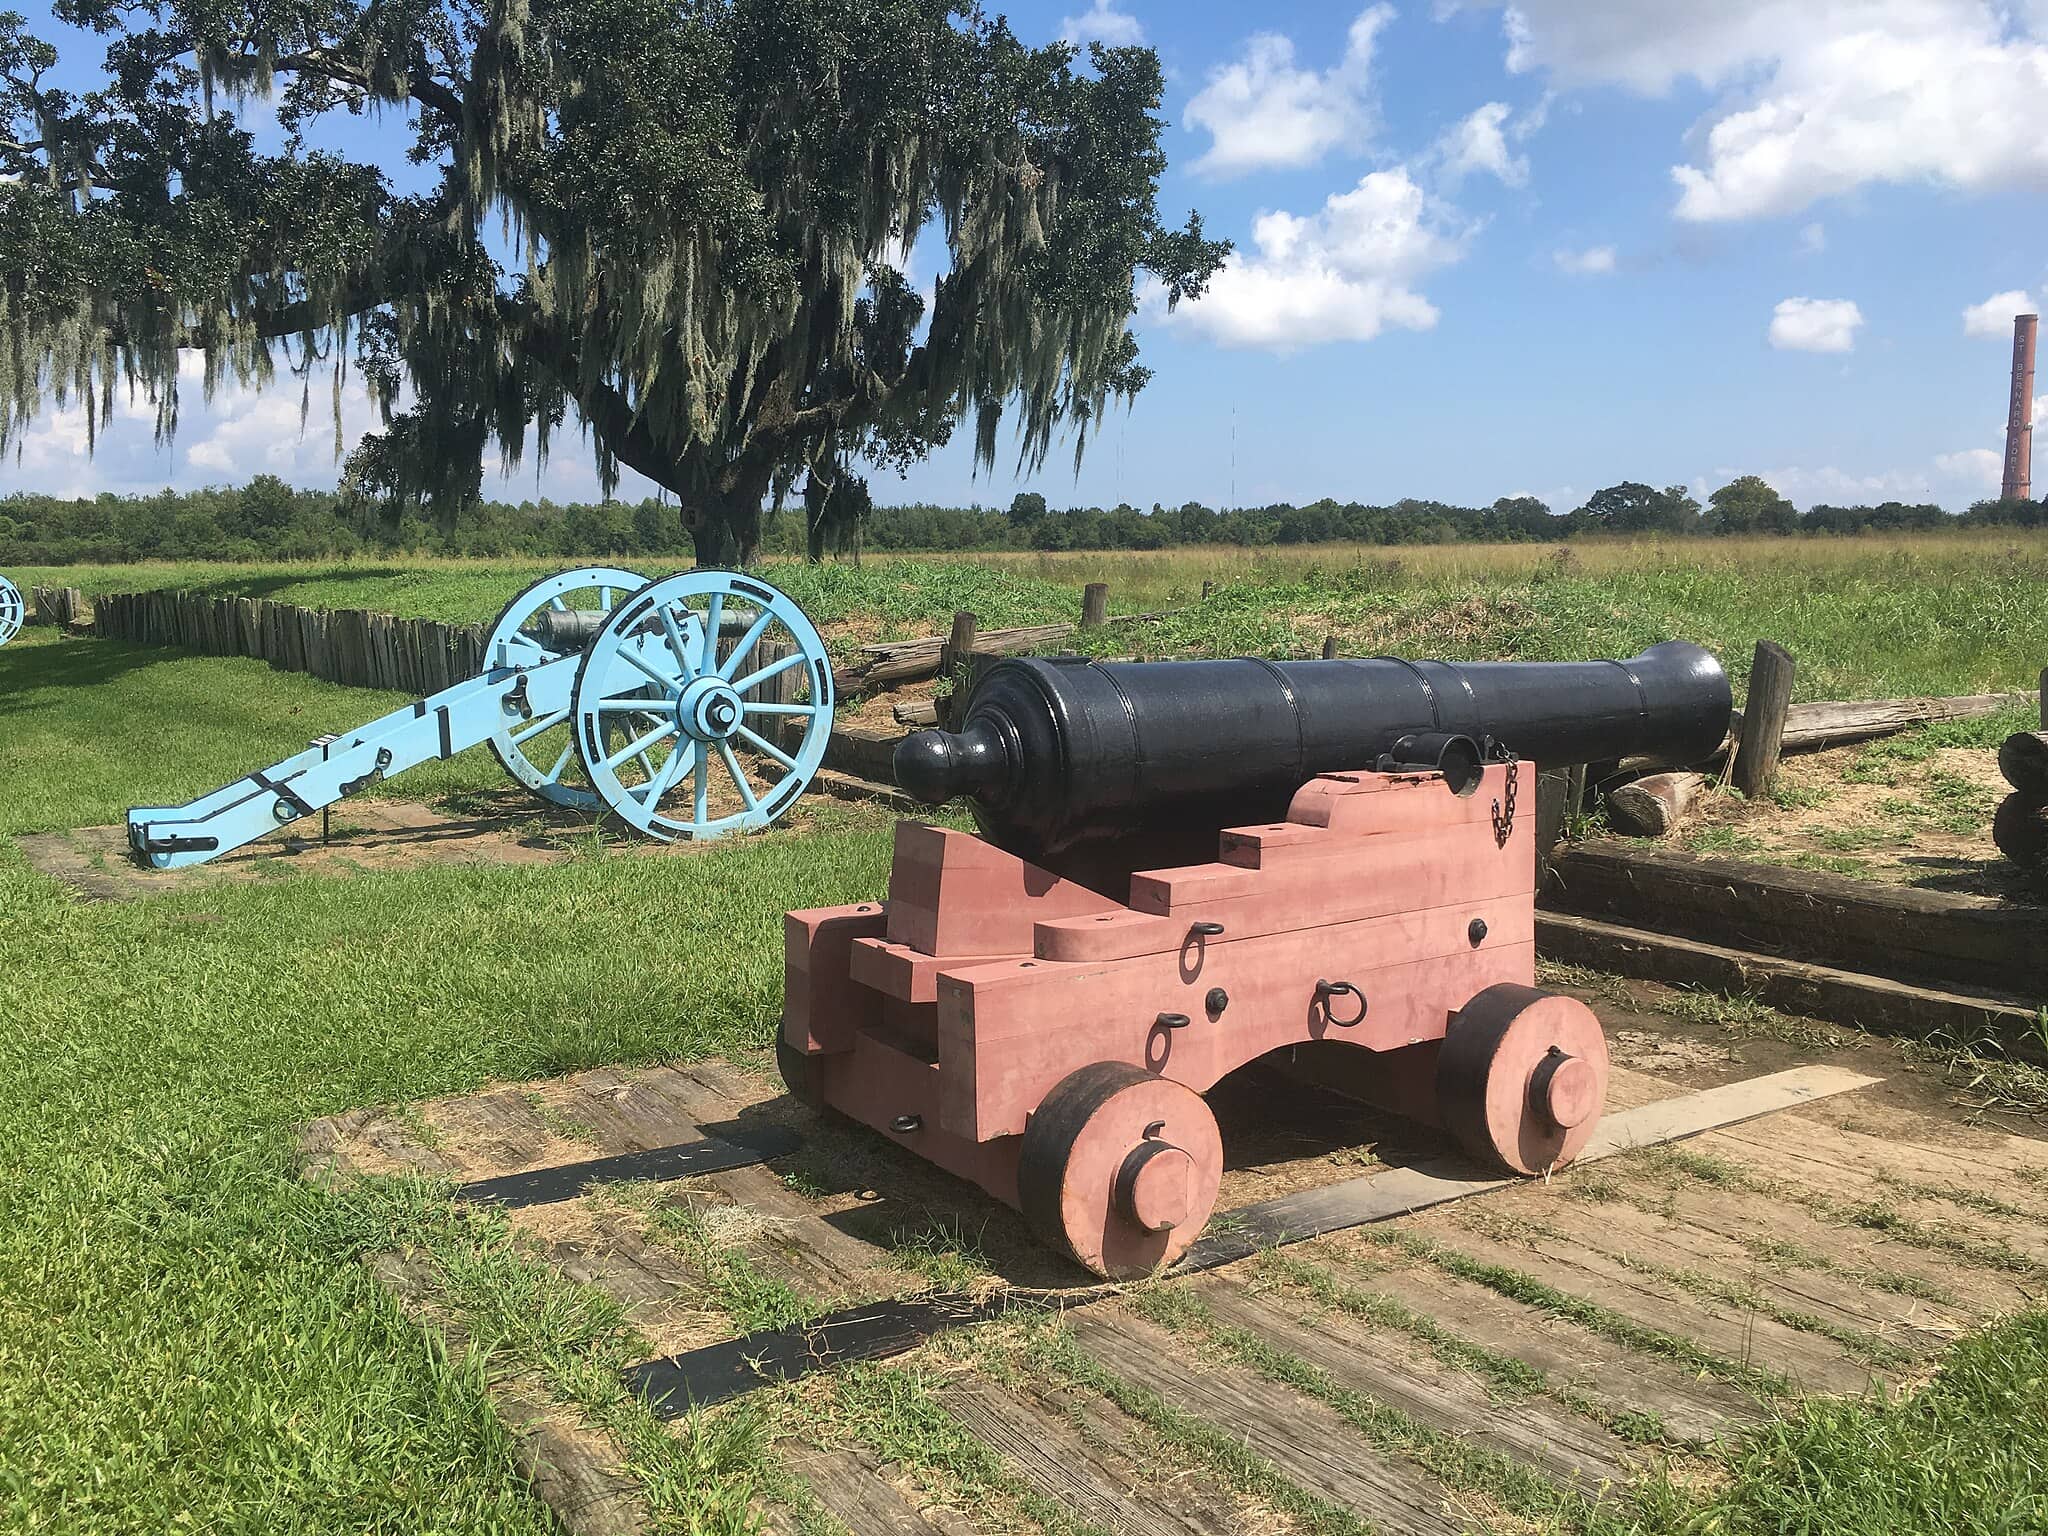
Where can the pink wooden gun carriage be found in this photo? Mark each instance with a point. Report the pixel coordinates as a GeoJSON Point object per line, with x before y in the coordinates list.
{"type": "Point", "coordinates": [1021, 1027]}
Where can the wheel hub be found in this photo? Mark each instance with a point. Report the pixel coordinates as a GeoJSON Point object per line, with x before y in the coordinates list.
{"type": "Point", "coordinates": [1566, 1089]}
{"type": "Point", "coordinates": [709, 710]}
{"type": "Point", "coordinates": [1156, 1186]}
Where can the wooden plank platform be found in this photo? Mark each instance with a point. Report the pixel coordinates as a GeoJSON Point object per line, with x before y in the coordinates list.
{"type": "Point", "coordinates": [1769, 1278]}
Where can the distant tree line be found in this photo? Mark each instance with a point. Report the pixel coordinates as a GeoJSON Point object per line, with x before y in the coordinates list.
{"type": "Point", "coordinates": [270, 520]}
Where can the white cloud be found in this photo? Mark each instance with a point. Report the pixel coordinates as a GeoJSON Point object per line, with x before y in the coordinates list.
{"type": "Point", "coordinates": [1102, 22]}
{"type": "Point", "coordinates": [1813, 239]}
{"type": "Point", "coordinates": [1345, 273]}
{"type": "Point", "coordinates": [1594, 261]}
{"type": "Point", "coordinates": [1840, 487]}
{"type": "Point", "coordinates": [1820, 97]}
{"type": "Point", "coordinates": [252, 433]}
{"type": "Point", "coordinates": [1480, 144]}
{"type": "Point", "coordinates": [1976, 468]}
{"type": "Point", "coordinates": [1994, 316]}
{"type": "Point", "coordinates": [1263, 112]}
{"type": "Point", "coordinates": [1815, 325]}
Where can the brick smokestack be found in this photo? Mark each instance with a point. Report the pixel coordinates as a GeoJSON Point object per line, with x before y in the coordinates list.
{"type": "Point", "coordinates": [2019, 426]}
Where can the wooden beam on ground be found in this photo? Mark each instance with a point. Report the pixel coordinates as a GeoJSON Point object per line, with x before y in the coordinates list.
{"type": "Point", "coordinates": [1654, 806]}
{"type": "Point", "coordinates": [863, 752]}
{"type": "Point", "coordinates": [1755, 771]}
{"type": "Point", "coordinates": [916, 713]}
{"type": "Point", "coordinates": [1873, 1003]}
{"type": "Point", "coordinates": [1900, 931]}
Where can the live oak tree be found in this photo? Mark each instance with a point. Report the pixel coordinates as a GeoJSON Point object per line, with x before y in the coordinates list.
{"type": "Point", "coordinates": [688, 219]}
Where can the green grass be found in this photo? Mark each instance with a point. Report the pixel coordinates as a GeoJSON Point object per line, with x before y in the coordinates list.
{"type": "Point", "coordinates": [185, 1333]}
{"type": "Point", "coordinates": [91, 727]}
{"type": "Point", "coordinates": [1964, 1457]}
{"type": "Point", "coordinates": [1865, 618]}
{"type": "Point", "coordinates": [188, 1339]}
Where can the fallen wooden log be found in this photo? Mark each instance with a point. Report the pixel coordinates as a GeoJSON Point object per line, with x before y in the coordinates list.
{"type": "Point", "coordinates": [1843, 722]}
{"type": "Point", "coordinates": [1899, 931]}
{"type": "Point", "coordinates": [917, 712]}
{"type": "Point", "coordinates": [909, 661]}
{"type": "Point", "coordinates": [2024, 762]}
{"type": "Point", "coordinates": [1654, 806]}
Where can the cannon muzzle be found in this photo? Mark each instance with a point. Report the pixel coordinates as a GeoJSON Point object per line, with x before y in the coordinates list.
{"type": "Point", "coordinates": [1083, 766]}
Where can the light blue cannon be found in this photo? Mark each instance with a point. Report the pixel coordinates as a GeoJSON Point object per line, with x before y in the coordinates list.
{"type": "Point", "coordinates": [690, 707]}
{"type": "Point", "coordinates": [13, 612]}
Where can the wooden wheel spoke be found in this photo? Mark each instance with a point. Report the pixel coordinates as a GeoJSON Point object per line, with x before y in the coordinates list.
{"type": "Point", "coordinates": [538, 727]}
{"type": "Point", "coordinates": [739, 777]}
{"type": "Point", "coordinates": [746, 643]}
{"type": "Point", "coordinates": [763, 744]}
{"type": "Point", "coordinates": [774, 669]}
{"type": "Point", "coordinates": [638, 748]}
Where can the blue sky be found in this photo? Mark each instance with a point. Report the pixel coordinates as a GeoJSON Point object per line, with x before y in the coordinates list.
{"type": "Point", "coordinates": [1489, 250]}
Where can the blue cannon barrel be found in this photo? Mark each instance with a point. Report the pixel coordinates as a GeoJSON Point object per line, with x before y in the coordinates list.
{"type": "Point", "coordinates": [1088, 766]}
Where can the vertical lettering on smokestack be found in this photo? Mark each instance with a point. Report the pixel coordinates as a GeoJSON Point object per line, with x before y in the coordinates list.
{"type": "Point", "coordinates": [2019, 425]}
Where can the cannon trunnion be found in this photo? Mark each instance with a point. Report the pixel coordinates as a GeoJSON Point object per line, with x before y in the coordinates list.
{"type": "Point", "coordinates": [1187, 866]}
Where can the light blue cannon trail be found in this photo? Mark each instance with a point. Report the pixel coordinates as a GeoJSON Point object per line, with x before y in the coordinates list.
{"type": "Point", "coordinates": [601, 691]}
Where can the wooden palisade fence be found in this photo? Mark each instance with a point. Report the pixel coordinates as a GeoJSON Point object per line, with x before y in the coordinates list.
{"type": "Point", "coordinates": [338, 645]}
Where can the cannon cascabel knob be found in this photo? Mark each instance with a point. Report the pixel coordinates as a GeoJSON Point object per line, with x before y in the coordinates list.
{"type": "Point", "coordinates": [937, 766]}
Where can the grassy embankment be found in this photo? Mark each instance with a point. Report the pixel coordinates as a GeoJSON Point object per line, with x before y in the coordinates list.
{"type": "Point", "coordinates": [1867, 618]}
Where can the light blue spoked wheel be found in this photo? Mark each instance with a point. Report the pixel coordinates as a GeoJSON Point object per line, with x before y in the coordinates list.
{"type": "Point", "coordinates": [11, 610]}
{"type": "Point", "coordinates": [549, 620]}
{"type": "Point", "coordinates": [704, 706]}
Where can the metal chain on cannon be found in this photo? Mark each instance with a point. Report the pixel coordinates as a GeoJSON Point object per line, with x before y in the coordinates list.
{"type": "Point", "coordinates": [1504, 819]}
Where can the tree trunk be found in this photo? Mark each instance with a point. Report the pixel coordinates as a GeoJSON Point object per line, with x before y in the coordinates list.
{"type": "Point", "coordinates": [726, 526]}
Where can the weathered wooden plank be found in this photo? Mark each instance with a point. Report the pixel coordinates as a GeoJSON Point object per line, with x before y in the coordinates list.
{"type": "Point", "coordinates": [1088, 1477]}
{"type": "Point", "coordinates": [1746, 1217]}
{"type": "Point", "coordinates": [618, 1260]}
{"type": "Point", "coordinates": [861, 1493]}
{"type": "Point", "coordinates": [1691, 1407]}
{"type": "Point", "coordinates": [1626, 1233]}
{"type": "Point", "coordinates": [816, 1256]}
{"type": "Point", "coordinates": [1738, 1334]}
{"type": "Point", "coordinates": [1305, 1440]}
{"type": "Point", "coordinates": [492, 1133]}
{"type": "Point", "coordinates": [1378, 1196]}
{"type": "Point", "coordinates": [1569, 1449]}
{"type": "Point", "coordinates": [1875, 1003]}
{"type": "Point", "coordinates": [1902, 932]}
{"type": "Point", "coordinates": [624, 1113]}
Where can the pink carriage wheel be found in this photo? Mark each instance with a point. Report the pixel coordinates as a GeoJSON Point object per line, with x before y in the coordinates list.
{"type": "Point", "coordinates": [1120, 1169]}
{"type": "Point", "coordinates": [1522, 1076]}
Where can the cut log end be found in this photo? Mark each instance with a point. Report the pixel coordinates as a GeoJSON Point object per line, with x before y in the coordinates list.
{"type": "Point", "coordinates": [2024, 762]}
{"type": "Point", "coordinates": [2021, 831]}
{"type": "Point", "coordinates": [1655, 805]}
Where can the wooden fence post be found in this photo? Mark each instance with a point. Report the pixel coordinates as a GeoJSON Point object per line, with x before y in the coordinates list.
{"type": "Point", "coordinates": [1094, 604]}
{"type": "Point", "coordinates": [1329, 647]}
{"type": "Point", "coordinates": [1755, 771]}
{"type": "Point", "coordinates": [2044, 698]}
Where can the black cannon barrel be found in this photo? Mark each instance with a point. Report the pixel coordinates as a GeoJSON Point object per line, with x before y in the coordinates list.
{"type": "Point", "coordinates": [1085, 765]}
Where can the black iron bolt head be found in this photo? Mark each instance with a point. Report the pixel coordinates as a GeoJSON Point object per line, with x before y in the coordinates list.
{"type": "Point", "coordinates": [903, 1125]}
{"type": "Point", "coordinates": [1216, 1001]}
{"type": "Point", "coordinates": [1477, 932]}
